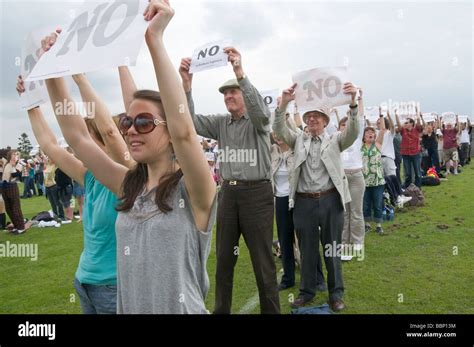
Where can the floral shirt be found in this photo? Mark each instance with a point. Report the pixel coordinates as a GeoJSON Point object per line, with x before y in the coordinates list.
{"type": "Point", "coordinates": [372, 166]}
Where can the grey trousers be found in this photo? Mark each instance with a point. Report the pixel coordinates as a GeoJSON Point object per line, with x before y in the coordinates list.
{"type": "Point", "coordinates": [354, 226]}
{"type": "Point", "coordinates": [246, 210]}
{"type": "Point", "coordinates": [309, 214]}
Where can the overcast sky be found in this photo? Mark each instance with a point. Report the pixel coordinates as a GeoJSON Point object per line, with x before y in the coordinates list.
{"type": "Point", "coordinates": [417, 50]}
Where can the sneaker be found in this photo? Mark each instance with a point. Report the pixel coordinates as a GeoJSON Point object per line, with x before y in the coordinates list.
{"type": "Point", "coordinates": [379, 230]}
{"type": "Point", "coordinates": [367, 228]}
{"type": "Point", "coordinates": [17, 232]}
{"type": "Point", "coordinates": [456, 172]}
{"type": "Point", "coordinates": [65, 221]}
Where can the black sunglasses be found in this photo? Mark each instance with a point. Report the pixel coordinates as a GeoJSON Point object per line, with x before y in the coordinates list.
{"type": "Point", "coordinates": [143, 123]}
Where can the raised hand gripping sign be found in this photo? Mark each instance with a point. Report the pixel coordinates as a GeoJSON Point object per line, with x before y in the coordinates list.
{"type": "Point", "coordinates": [102, 35]}
{"type": "Point", "coordinates": [448, 118]}
{"type": "Point", "coordinates": [35, 92]}
{"type": "Point", "coordinates": [372, 113]}
{"type": "Point", "coordinates": [321, 87]}
{"type": "Point", "coordinates": [270, 98]}
{"type": "Point", "coordinates": [209, 56]}
{"type": "Point", "coordinates": [429, 117]}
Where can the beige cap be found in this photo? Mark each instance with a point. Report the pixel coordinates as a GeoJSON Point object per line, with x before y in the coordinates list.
{"type": "Point", "coordinates": [232, 83]}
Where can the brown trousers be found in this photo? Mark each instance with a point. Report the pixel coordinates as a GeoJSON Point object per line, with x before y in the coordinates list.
{"type": "Point", "coordinates": [11, 197]}
{"type": "Point", "coordinates": [246, 210]}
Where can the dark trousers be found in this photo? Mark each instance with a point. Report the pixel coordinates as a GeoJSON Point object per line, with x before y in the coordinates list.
{"type": "Point", "coordinates": [317, 219]}
{"type": "Point", "coordinates": [398, 163]}
{"type": "Point", "coordinates": [434, 158]}
{"type": "Point", "coordinates": [393, 187]}
{"type": "Point", "coordinates": [464, 153]}
{"type": "Point", "coordinates": [26, 187]}
{"type": "Point", "coordinates": [286, 237]}
{"type": "Point", "coordinates": [11, 197]}
{"type": "Point", "coordinates": [412, 162]}
{"type": "Point", "coordinates": [246, 210]}
{"type": "Point", "coordinates": [52, 193]}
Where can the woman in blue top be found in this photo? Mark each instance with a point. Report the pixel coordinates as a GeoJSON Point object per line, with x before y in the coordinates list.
{"type": "Point", "coordinates": [96, 275]}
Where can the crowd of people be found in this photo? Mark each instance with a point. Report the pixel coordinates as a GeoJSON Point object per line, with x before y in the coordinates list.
{"type": "Point", "coordinates": [148, 215]}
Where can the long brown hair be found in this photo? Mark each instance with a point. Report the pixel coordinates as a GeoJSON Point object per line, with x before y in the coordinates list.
{"type": "Point", "coordinates": [136, 178]}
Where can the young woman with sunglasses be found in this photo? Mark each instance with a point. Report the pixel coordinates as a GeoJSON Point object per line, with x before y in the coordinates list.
{"type": "Point", "coordinates": [96, 275]}
{"type": "Point", "coordinates": [167, 209]}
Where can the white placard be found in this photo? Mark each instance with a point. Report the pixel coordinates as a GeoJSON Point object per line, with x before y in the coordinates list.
{"type": "Point", "coordinates": [321, 87]}
{"type": "Point", "coordinates": [102, 35]}
{"type": "Point", "coordinates": [448, 117]}
{"type": "Point", "coordinates": [429, 117]}
{"type": "Point", "coordinates": [209, 56]}
{"type": "Point", "coordinates": [35, 92]}
{"type": "Point", "coordinates": [372, 113]}
{"type": "Point", "coordinates": [270, 98]}
{"type": "Point", "coordinates": [463, 118]}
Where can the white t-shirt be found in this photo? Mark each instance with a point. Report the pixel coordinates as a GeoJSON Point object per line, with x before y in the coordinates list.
{"type": "Point", "coordinates": [352, 156]}
{"type": "Point", "coordinates": [282, 181]}
{"type": "Point", "coordinates": [387, 145]}
{"type": "Point", "coordinates": [465, 136]}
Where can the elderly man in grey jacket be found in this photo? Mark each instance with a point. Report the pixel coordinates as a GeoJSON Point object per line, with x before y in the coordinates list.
{"type": "Point", "coordinates": [318, 192]}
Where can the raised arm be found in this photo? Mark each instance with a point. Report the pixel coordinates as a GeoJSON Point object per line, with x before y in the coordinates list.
{"type": "Point", "coordinates": [390, 122]}
{"type": "Point", "coordinates": [399, 125]}
{"type": "Point", "coordinates": [76, 134]}
{"type": "Point", "coordinates": [257, 110]}
{"type": "Point", "coordinates": [114, 142]}
{"type": "Point", "coordinates": [199, 183]}
{"type": "Point", "coordinates": [298, 119]}
{"type": "Point", "coordinates": [207, 126]}
{"type": "Point", "coordinates": [70, 165]}
{"type": "Point", "coordinates": [381, 134]}
{"type": "Point", "coordinates": [127, 85]}
{"type": "Point", "coordinates": [347, 137]}
{"type": "Point", "coordinates": [280, 126]}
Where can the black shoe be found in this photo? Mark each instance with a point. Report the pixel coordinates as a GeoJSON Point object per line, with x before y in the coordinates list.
{"type": "Point", "coordinates": [379, 230]}
{"type": "Point", "coordinates": [368, 228]}
{"type": "Point", "coordinates": [284, 286]}
{"type": "Point", "coordinates": [301, 301]}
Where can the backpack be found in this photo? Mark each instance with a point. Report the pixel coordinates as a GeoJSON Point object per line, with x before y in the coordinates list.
{"type": "Point", "coordinates": [43, 216]}
{"type": "Point", "coordinates": [416, 194]}
{"type": "Point", "coordinates": [430, 181]}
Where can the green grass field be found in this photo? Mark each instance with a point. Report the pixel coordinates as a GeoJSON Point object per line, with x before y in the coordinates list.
{"type": "Point", "coordinates": [423, 264]}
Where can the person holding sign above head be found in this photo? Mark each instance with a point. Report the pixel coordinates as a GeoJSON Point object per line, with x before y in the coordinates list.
{"type": "Point", "coordinates": [410, 148]}
{"type": "Point", "coordinates": [167, 201]}
{"type": "Point", "coordinates": [450, 146]}
{"type": "Point", "coordinates": [246, 196]}
{"type": "Point", "coordinates": [318, 192]}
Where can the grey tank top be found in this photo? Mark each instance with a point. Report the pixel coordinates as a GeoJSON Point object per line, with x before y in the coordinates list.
{"type": "Point", "coordinates": [161, 258]}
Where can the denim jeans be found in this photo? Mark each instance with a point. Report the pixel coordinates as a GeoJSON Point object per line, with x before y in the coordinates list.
{"type": "Point", "coordinates": [97, 299]}
{"type": "Point", "coordinates": [412, 162]}
{"type": "Point", "coordinates": [373, 201]}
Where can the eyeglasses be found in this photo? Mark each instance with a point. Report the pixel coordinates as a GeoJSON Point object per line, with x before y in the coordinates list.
{"type": "Point", "coordinates": [143, 123]}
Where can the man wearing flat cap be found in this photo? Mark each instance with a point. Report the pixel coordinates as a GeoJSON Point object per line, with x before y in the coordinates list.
{"type": "Point", "coordinates": [245, 201]}
{"type": "Point", "coordinates": [318, 192]}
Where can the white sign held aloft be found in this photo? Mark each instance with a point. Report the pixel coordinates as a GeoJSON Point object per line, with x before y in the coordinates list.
{"type": "Point", "coordinates": [372, 113]}
{"type": "Point", "coordinates": [209, 56]}
{"type": "Point", "coordinates": [463, 118]}
{"type": "Point", "coordinates": [448, 117]}
{"type": "Point", "coordinates": [321, 87]}
{"type": "Point", "coordinates": [102, 35]}
{"type": "Point", "coordinates": [429, 117]}
{"type": "Point", "coordinates": [35, 93]}
{"type": "Point", "coordinates": [270, 98]}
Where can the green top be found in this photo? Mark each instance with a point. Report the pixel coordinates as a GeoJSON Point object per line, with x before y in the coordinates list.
{"type": "Point", "coordinates": [372, 166]}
